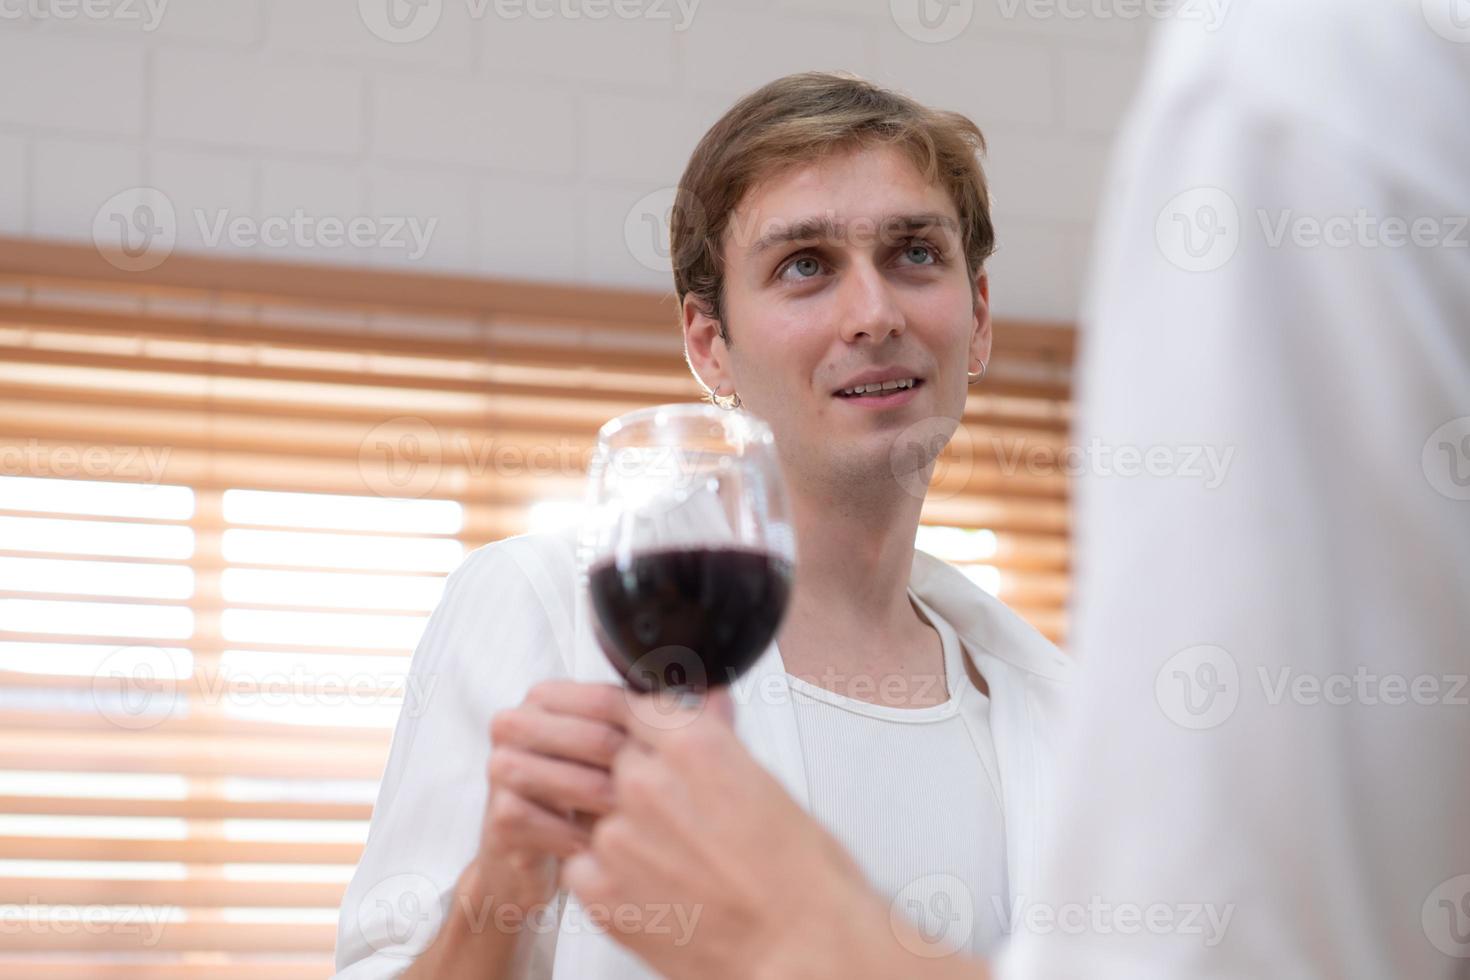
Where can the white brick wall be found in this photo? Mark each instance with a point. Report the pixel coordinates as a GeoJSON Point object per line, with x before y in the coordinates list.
{"type": "Point", "coordinates": [76, 83]}
{"type": "Point", "coordinates": [992, 82]}
{"type": "Point", "coordinates": [730, 53]}
{"type": "Point", "coordinates": [523, 128]}
{"type": "Point", "coordinates": [581, 54]}
{"type": "Point", "coordinates": [526, 130]}
{"type": "Point", "coordinates": [1096, 87]}
{"type": "Point", "coordinates": [15, 172]}
{"type": "Point", "coordinates": [435, 203]}
{"type": "Point", "coordinates": [204, 182]}
{"type": "Point", "coordinates": [315, 189]}
{"type": "Point", "coordinates": [257, 103]}
{"type": "Point", "coordinates": [71, 177]}
{"type": "Point", "coordinates": [530, 228]}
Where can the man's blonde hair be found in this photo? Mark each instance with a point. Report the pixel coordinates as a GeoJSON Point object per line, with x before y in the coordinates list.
{"type": "Point", "coordinates": [799, 119]}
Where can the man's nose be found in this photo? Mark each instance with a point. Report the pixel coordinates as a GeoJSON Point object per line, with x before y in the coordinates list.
{"type": "Point", "coordinates": [869, 306]}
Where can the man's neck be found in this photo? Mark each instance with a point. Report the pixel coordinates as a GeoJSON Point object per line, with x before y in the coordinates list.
{"type": "Point", "coordinates": [850, 602]}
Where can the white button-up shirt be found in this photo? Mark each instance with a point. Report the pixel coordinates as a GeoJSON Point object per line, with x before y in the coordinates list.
{"type": "Point", "coordinates": [511, 616]}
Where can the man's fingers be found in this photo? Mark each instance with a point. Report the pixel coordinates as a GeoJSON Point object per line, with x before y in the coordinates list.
{"type": "Point", "coordinates": [642, 779]}
{"type": "Point", "coordinates": [569, 737]}
{"type": "Point", "coordinates": [556, 785]}
{"type": "Point", "coordinates": [722, 705]}
{"type": "Point", "coordinates": [515, 822]}
{"type": "Point", "coordinates": [599, 702]}
{"type": "Point", "coordinates": [656, 719]}
{"type": "Point", "coordinates": [584, 875]}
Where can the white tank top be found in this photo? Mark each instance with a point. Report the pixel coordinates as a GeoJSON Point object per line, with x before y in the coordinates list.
{"type": "Point", "coordinates": [914, 795]}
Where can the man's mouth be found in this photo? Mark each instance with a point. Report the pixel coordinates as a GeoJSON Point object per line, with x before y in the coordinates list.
{"type": "Point", "coordinates": [880, 390]}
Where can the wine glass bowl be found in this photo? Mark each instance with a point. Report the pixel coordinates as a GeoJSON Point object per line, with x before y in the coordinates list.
{"type": "Point", "coordinates": [686, 551]}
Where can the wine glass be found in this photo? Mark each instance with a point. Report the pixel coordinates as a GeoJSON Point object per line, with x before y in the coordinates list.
{"type": "Point", "coordinates": [685, 551]}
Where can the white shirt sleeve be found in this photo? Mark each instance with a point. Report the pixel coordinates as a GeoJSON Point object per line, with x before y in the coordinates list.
{"type": "Point", "coordinates": [1265, 774]}
{"type": "Point", "coordinates": [502, 625]}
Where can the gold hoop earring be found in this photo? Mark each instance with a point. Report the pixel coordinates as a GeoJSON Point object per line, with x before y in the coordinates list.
{"type": "Point", "coordinates": [728, 402]}
{"type": "Point", "coordinates": [976, 378]}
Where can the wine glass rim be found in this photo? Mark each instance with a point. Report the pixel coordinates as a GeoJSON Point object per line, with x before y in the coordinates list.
{"type": "Point", "coordinates": [612, 426]}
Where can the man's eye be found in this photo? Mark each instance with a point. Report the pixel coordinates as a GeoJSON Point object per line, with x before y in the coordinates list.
{"type": "Point", "coordinates": [922, 253]}
{"type": "Point", "coordinates": [805, 266]}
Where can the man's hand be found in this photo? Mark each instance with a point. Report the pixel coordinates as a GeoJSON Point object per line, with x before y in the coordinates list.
{"type": "Point", "coordinates": [702, 834]}
{"type": "Point", "coordinates": [549, 781]}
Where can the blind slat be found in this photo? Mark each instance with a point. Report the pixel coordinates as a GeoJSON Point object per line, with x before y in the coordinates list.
{"type": "Point", "coordinates": [191, 808]}
{"type": "Point", "coordinates": [14, 636]}
{"type": "Point", "coordinates": [154, 968]}
{"type": "Point", "coordinates": [182, 892]}
{"type": "Point", "coordinates": [241, 937]}
{"type": "Point", "coordinates": [145, 751]}
{"type": "Point", "coordinates": [193, 850]}
{"type": "Point", "coordinates": [203, 718]}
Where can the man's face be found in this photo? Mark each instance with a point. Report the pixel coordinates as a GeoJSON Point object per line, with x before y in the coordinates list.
{"type": "Point", "coordinates": [846, 267]}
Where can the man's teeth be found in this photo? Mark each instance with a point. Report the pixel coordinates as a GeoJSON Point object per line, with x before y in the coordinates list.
{"type": "Point", "coordinates": [880, 386]}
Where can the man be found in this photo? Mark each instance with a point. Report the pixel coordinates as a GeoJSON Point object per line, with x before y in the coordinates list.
{"type": "Point", "coordinates": [829, 252]}
{"type": "Point", "coordinates": [1265, 766]}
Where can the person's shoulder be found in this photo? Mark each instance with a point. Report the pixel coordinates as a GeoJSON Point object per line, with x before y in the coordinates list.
{"type": "Point", "coordinates": [553, 548]}
{"type": "Point", "coordinates": [515, 587]}
{"type": "Point", "coordinates": [542, 561]}
{"type": "Point", "coordinates": [1023, 645]}
{"type": "Point", "coordinates": [986, 623]}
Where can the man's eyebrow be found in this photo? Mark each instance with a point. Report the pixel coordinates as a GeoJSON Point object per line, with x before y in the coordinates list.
{"type": "Point", "coordinates": [819, 227]}
{"type": "Point", "coordinates": [797, 231]}
{"type": "Point", "coordinates": [918, 222]}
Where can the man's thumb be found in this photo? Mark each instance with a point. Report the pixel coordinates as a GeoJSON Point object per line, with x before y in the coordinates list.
{"type": "Point", "coordinates": [722, 705]}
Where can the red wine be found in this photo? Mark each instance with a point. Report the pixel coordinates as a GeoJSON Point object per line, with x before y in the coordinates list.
{"type": "Point", "coordinates": [688, 618]}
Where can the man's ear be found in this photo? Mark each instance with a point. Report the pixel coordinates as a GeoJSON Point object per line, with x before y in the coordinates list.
{"type": "Point", "coordinates": [980, 340]}
{"type": "Point", "coordinates": [704, 348]}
